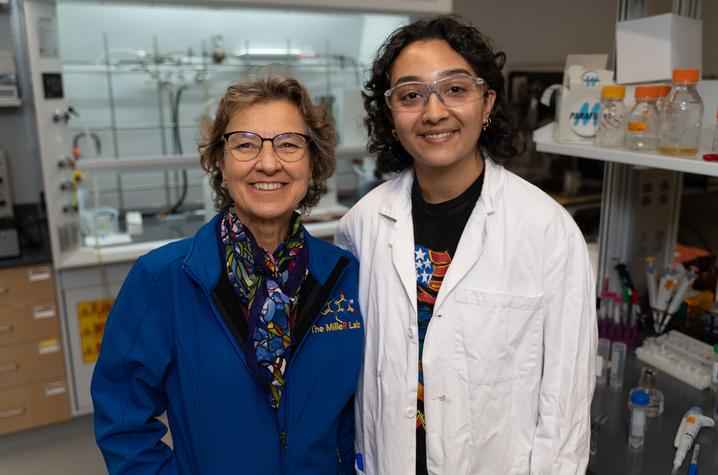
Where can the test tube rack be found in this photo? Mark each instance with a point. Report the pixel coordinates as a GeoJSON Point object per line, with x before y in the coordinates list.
{"type": "Point", "coordinates": [680, 356]}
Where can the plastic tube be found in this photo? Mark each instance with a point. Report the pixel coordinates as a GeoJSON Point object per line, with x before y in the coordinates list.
{"type": "Point", "coordinates": [618, 360]}
{"type": "Point", "coordinates": [602, 358]}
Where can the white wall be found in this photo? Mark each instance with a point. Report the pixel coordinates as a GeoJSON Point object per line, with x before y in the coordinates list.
{"type": "Point", "coordinates": [539, 34]}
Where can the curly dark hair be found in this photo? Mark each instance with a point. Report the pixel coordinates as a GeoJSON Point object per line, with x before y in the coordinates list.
{"type": "Point", "coordinates": [322, 151]}
{"type": "Point", "coordinates": [500, 138]}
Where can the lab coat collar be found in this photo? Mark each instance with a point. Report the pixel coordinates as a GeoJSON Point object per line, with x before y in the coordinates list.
{"type": "Point", "coordinates": [400, 189]}
{"type": "Point", "coordinates": [467, 253]}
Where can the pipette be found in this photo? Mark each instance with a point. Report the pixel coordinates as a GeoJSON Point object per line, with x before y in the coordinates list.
{"type": "Point", "coordinates": [691, 423]}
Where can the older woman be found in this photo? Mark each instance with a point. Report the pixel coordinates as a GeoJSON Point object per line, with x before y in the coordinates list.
{"type": "Point", "coordinates": [469, 274]}
{"type": "Point", "coordinates": [249, 333]}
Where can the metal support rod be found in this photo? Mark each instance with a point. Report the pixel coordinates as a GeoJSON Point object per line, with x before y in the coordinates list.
{"type": "Point", "coordinates": [113, 118]}
{"type": "Point", "coordinates": [161, 115]}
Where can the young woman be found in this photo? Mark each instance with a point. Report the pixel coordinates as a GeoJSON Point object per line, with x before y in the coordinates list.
{"type": "Point", "coordinates": [248, 334]}
{"type": "Point", "coordinates": [476, 287]}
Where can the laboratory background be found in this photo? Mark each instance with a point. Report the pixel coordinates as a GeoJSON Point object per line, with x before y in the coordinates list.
{"type": "Point", "coordinates": [101, 107]}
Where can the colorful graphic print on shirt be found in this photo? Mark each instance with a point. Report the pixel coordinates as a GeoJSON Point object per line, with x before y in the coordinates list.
{"type": "Point", "coordinates": [431, 267]}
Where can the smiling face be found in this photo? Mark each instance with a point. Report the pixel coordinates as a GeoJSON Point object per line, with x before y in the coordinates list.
{"type": "Point", "coordinates": [442, 140]}
{"type": "Point", "coordinates": [266, 190]}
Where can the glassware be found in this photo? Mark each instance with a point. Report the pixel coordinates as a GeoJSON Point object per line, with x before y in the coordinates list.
{"type": "Point", "coordinates": [610, 126]}
{"type": "Point", "coordinates": [663, 92]}
{"type": "Point", "coordinates": [637, 427]}
{"type": "Point", "coordinates": [647, 383]}
{"type": "Point", "coordinates": [618, 361]}
{"type": "Point", "coordinates": [642, 125]}
{"type": "Point", "coordinates": [682, 117]}
{"type": "Point", "coordinates": [602, 358]}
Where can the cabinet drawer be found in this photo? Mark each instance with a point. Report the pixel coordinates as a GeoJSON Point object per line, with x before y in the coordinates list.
{"type": "Point", "coordinates": [33, 405]}
{"type": "Point", "coordinates": [27, 284]}
{"type": "Point", "coordinates": [20, 323]}
{"type": "Point", "coordinates": [29, 362]}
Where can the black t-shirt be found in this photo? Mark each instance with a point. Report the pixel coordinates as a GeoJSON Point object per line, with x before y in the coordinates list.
{"type": "Point", "coordinates": [437, 231]}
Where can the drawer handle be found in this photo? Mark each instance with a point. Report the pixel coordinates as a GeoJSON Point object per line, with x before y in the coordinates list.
{"type": "Point", "coordinates": [12, 413]}
{"type": "Point", "coordinates": [44, 311]}
{"type": "Point", "coordinates": [9, 368]}
{"type": "Point", "coordinates": [42, 273]}
{"type": "Point", "coordinates": [4, 290]}
{"type": "Point", "coordinates": [6, 328]}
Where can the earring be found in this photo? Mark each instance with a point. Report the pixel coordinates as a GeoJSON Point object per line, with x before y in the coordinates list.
{"type": "Point", "coordinates": [486, 123]}
{"type": "Point", "coordinates": [394, 134]}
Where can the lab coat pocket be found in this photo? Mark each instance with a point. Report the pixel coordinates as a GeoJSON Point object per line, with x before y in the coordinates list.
{"type": "Point", "coordinates": [498, 336]}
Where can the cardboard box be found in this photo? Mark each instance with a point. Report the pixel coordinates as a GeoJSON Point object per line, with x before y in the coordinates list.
{"type": "Point", "coordinates": [649, 49]}
{"type": "Point", "coordinates": [579, 104]}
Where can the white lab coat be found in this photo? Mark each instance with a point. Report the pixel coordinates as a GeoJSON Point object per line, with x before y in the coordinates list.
{"type": "Point", "coordinates": [509, 355]}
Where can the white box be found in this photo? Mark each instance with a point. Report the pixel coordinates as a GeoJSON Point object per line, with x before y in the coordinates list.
{"type": "Point", "coordinates": [649, 49]}
{"type": "Point", "coordinates": [579, 103]}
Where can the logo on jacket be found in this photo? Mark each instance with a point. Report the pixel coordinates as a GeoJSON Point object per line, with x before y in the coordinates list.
{"type": "Point", "coordinates": [338, 311]}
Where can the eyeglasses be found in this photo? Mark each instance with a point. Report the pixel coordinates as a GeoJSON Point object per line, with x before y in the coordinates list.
{"type": "Point", "coordinates": [246, 146]}
{"type": "Point", "coordinates": [452, 91]}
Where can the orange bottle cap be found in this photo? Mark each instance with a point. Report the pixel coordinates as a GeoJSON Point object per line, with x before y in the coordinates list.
{"type": "Point", "coordinates": [663, 91]}
{"type": "Point", "coordinates": [614, 92]}
{"type": "Point", "coordinates": [686, 75]}
{"type": "Point", "coordinates": [646, 92]}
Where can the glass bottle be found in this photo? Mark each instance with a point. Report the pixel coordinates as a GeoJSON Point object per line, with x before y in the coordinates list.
{"type": "Point", "coordinates": [663, 92]}
{"type": "Point", "coordinates": [610, 126]}
{"type": "Point", "coordinates": [637, 424]}
{"type": "Point", "coordinates": [642, 125]}
{"type": "Point", "coordinates": [647, 383]}
{"type": "Point", "coordinates": [682, 117]}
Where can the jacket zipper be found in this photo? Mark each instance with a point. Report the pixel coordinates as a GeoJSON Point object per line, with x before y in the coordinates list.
{"type": "Point", "coordinates": [283, 446]}
{"type": "Point", "coordinates": [282, 433]}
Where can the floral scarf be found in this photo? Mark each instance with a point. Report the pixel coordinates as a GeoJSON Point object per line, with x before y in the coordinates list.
{"type": "Point", "coordinates": [267, 285]}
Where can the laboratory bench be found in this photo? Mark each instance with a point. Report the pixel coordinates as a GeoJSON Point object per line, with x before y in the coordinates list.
{"type": "Point", "coordinates": [612, 455]}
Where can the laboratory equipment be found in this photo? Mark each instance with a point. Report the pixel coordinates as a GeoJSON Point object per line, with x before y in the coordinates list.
{"type": "Point", "coordinates": [681, 356]}
{"type": "Point", "coordinates": [618, 361]}
{"type": "Point", "coordinates": [693, 467]}
{"type": "Point", "coordinates": [682, 117]}
{"type": "Point", "coordinates": [663, 92]}
{"type": "Point", "coordinates": [637, 425]}
{"type": "Point", "coordinates": [8, 80]}
{"type": "Point", "coordinates": [647, 383]}
{"type": "Point", "coordinates": [691, 423]}
{"type": "Point", "coordinates": [602, 358]}
{"type": "Point", "coordinates": [610, 126]}
{"type": "Point", "coordinates": [642, 124]}
{"type": "Point", "coordinates": [9, 243]}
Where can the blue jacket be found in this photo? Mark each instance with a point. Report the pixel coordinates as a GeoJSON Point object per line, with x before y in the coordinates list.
{"type": "Point", "coordinates": [168, 346]}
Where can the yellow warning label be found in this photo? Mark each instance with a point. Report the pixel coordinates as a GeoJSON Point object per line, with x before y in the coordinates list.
{"type": "Point", "coordinates": [91, 317]}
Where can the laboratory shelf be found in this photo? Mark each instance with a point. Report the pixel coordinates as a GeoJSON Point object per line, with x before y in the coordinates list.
{"type": "Point", "coordinates": [10, 102]}
{"type": "Point", "coordinates": [156, 162]}
{"type": "Point", "coordinates": [545, 143]}
{"type": "Point", "coordinates": [167, 162]}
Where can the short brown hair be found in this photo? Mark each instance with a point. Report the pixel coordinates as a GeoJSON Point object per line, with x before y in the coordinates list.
{"type": "Point", "coordinates": [243, 94]}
